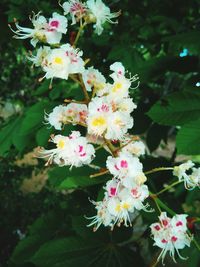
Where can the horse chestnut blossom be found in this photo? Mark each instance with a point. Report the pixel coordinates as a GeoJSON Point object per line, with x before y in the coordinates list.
{"type": "Point", "coordinates": [189, 175]}
{"type": "Point", "coordinates": [109, 114]}
{"type": "Point", "coordinates": [72, 150]}
{"type": "Point", "coordinates": [105, 116]}
{"type": "Point", "coordinates": [94, 80]}
{"type": "Point", "coordinates": [44, 31]}
{"type": "Point", "coordinates": [170, 234]}
{"type": "Point", "coordinates": [72, 113]}
{"type": "Point", "coordinates": [76, 9]}
{"type": "Point", "coordinates": [99, 13]}
{"type": "Point", "coordinates": [60, 62]}
{"type": "Point", "coordinates": [136, 148]}
{"type": "Point", "coordinates": [127, 168]}
{"type": "Point", "coordinates": [119, 205]}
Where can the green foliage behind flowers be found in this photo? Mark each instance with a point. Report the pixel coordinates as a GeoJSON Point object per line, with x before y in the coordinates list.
{"type": "Point", "coordinates": [159, 41]}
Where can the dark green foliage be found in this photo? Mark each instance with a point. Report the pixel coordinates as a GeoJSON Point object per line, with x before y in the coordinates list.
{"type": "Point", "coordinates": [148, 40]}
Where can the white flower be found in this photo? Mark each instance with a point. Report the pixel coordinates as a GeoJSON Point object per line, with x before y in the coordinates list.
{"type": "Point", "coordinates": [57, 23]}
{"type": "Point", "coordinates": [112, 187]}
{"type": "Point", "coordinates": [104, 119]}
{"type": "Point", "coordinates": [76, 113]}
{"type": "Point", "coordinates": [190, 176]}
{"type": "Point", "coordinates": [72, 150]}
{"type": "Point", "coordinates": [193, 180]}
{"type": "Point", "coordinates": [118, 68]}
{"type": "Point", "coordinates": [93, 79]}
{"type": "Point", "coordinates": [120, 88]}
{"type": "Point", "coordinates": [180, 171]}
{"type": "Point", "coordinates": [118, 124]}
{"type": "Point", "coordinates": [39, 59]}
{"type": "Point", "coordinates": [56, 117]}
{"type": "Point", "coordinates": [120, 210]}
{"type": "Point", "coordinates": [134, 147]}
{"type": "Point", "coordinates": [103, 216]}
{"type": "Point", "coordinates": [126, 168]}
{"type": "Point", "coordinates": [170, 234]}
{"type": "Point", "coordinates": [72, 113]}
{"type": "Point", "coordinates": [76, 62]}
{"type": "Point", "coordinates": [98, 111]}
{"type": "Point", "coordinates": [58, 64]}
{"type": "Point", "coordinates": [61, 62]}
{"type": "Point", "coordinates": [100, 13]}
{"type": "Point", "coordinates": [135, 196]}
{"type": "Point", "coordinates": [76, 9]}
{"type": "Point", "coordinates": [125, 105]}
{"type": "Point", "coordinates": [43, 31]}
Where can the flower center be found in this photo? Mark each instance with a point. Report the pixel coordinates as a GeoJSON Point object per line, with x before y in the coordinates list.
{"type": "Point", "coordinates": [61, 144]}
{"type": "Point", "coordinates": [54, 23]}
{"type": "Point", "coordinates": [58, 60]}
{"type": "Point", "coordinates": [117, 87]}
{"type": "Point", "coordinates": [100, 121]}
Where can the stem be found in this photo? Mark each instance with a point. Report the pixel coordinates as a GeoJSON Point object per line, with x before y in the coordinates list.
{"type": "Point", "coordinates": [74, 101]}
{"type": "Point", "coordinates": [110, 146]}
{"type": "Point", "coordinates": [159, 169]}
{"type": "Point", "coordinates": [79, 33]}
{"type": "Point", "coordinates": [87, 98]}
{"type": "Point", "coordinates": [168, 187]}
{"type": "Point", "coordinates": [196, 243]}
{"type": "Point", "coordinates": [153, 196]}
{"type": "Point", "coordinates": [162, 204]}
{"type": "Point", "coordinates": [81, 83]}
{"type": "Point", "coordinates": [134, 138]}
{"type": "Point", "coordinates": [99, 174]}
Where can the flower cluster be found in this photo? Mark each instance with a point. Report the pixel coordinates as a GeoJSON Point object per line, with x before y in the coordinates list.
{"type": "Point", "coordinates": [47, 31]}
{"type": "Point", "coordinates": [124, 194]}
{"type": "Point", "coordinates": [170, 234]}
{"type": "Point", "coordinates": [106, 115]}
{"type": "Point", "coordinates": [50, 30]}
{"type": "Point", "coordinates": [93, 11]}
{"type": "Point", "coordinates": [59, 62]}
{"type": "Point", "coordinates": [189, 175]}
{"type": "Point", "coordinates": [72, 150]}
{"type": "Point", "coordinates": [109, 112]}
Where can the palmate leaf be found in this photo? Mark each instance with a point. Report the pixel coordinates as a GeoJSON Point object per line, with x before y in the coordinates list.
{"type": "Point", "coordinates": [176, 109]}
{"type": "Point", "coordinates": [188, 137]}
{"type": "Point", "coordinates": [41, 231]}
{"type": "Point", "coordinates": [62, 250]}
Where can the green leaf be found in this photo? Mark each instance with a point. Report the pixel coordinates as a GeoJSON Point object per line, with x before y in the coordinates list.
{"type": "Point", "coordinates": [43, 88]}
{"type": "Point", "coordinates": [34, 117]}
{"type": "Point", "coordinates": [176, 109]}
{"type": "Point", "coordinates": [7, 134]}
{"type": "Point", "coordinates": [40, 231]}
{"type": "Point", "coordinates": [42, 136]}
{"type": "Point", "coordinates": [64, 178]}
{"type": "Point", "coordinates": [187, 140]}
{"type": "Point", "coordinates": [65, 249]}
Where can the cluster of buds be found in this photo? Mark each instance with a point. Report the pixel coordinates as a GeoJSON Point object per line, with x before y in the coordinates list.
{"type": "Point", "coordinates": [106, 115]}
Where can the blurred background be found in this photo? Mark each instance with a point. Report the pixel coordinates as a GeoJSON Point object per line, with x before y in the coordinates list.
{"type": "Point", "coordinates": [42, 221]}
